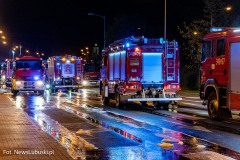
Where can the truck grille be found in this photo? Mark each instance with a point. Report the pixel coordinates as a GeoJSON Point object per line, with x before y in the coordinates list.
{"type": "Point", "coordinates": [27, 78]}
{"type": "Point", "coordinates": [28, 85]}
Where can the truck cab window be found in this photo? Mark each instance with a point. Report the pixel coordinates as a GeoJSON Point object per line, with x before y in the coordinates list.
{"type": "Point", "coordinates": [220, 47]}
{"type": "Point", "coordinates": [206, 50]}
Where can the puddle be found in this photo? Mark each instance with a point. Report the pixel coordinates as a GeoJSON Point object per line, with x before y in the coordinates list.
{"type": "Point", "coordinates": [76, 146]}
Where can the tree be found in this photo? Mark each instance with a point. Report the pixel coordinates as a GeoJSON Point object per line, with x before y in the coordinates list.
{"type": "Point", "coordinates": [216, 12]}
{"type": "Point", "coordinates": [192, 35]}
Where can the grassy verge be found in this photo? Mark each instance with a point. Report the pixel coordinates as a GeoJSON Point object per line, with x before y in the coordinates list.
{"type": "Point", "coordinates": [185, 92]}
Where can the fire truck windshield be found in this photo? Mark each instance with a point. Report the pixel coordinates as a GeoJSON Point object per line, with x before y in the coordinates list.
{"type": "Point", "coordinates": [33, 64]}
{"type": "Point", "coordinates": [89, 68]}
{"type": "Point", "coordinates": [206, 50]}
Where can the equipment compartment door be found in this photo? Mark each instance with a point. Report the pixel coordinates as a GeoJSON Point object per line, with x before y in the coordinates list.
{"type": "Point", "coordinates": [152, 67]}
{"type": "Point", "coordinates": [235, 75]}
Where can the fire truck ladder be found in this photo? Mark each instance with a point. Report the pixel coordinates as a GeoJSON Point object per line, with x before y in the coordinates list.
{"type": "Point", "coordinates": [170, 60]}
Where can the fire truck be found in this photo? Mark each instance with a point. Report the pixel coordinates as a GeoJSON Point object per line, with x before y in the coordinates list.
{"type": "Point", "coordinates": [28, 75]}
{"type": "Point", "coordinates": [3, 74]}
{"type": "Point", "coordinates": [220, 72]}
{"type": "Point", "coordinates": [64, 72]}
{"type": "Point", "coordinates": [140, 69]}
{"type": "Point", "coordinates": [90, 76]}
{"type": "Point", "coordinates": [8, 72]}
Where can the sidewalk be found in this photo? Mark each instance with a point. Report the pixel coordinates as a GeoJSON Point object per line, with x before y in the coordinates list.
{"type": "Point", "coordinates": [22, 138]}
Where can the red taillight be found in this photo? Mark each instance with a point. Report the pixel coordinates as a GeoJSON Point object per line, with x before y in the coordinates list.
{"type": "Point", "coordinates": [172, 86]}
{"type": "Point", "coordinates": [133, 86]}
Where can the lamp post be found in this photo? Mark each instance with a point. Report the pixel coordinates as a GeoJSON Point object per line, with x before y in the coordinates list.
{"type": "Point", "coordinates": [228, 8]}
{"type": "Point", "coordinates": [165, 20]}
{"type": "Point", "coordinates": [20, 49]}
{"type": "Point", "coordinates": [104, 26]}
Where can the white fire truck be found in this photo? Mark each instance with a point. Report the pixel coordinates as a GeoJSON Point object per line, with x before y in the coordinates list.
{"type": "Point", "coordinates": [220, 72]}
{"type": "Point", "coordinates": [64, 72]}
{"type": "Point", "coordinates": [140, 69]}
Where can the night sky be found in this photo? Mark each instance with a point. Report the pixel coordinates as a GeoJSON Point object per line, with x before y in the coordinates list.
{"type": "Point", "coordinates": [63, 26]}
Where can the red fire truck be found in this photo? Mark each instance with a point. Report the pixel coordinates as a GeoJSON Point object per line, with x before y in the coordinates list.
{"type": "Point", "coordinates": [6, 72]}
{"type": "Point", "coordinates": [90, 76]}
{"type": "Point", "coordinates": [28, 75]}
{"type": "Point", "coordinates": [140, 69]}
{"type": "Point", "coordinates": [3, 73]}
{"type": "Point", "coordinates": [220, 72]}
{"type": "Point", "coordinates": [64, 72]}
{"type": "Point", "coordinates": [9, 72]}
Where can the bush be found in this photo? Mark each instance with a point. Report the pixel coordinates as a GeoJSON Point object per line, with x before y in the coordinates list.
{"type": "Point", "coordinates": [189, 78]}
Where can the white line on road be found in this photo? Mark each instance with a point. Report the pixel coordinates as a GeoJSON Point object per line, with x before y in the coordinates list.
{"type": "Point", "coordinates": [191, 100]}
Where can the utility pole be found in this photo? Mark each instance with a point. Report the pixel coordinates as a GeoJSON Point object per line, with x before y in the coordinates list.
{"type": "Point", "coordinates": [165, 20]}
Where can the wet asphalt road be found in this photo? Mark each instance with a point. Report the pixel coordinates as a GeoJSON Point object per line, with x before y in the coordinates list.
{"type": "Point", "coordinates": [79, 122]}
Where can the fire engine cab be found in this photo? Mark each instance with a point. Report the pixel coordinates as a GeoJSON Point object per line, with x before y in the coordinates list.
{"type": "Point", "coordinates": [220, 72]}
{"type": "Point", "coordinates": [28, 75]}
{"type": "Point", "coordinates": [140, 69]}
{"type": "Point", "coordinates": [64, 72]}
{"type": "Point", "coordinates": [90, 75]}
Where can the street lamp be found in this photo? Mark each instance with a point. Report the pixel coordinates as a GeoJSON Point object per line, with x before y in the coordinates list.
{"type": "Point", "coordinates": [20, 49]}
{"type": "Point", "coordinates": [228, 8]}
{"type": "Point", "coordinates": [104, 26]}
{"type": "Point", "coordinates": [165, 20]}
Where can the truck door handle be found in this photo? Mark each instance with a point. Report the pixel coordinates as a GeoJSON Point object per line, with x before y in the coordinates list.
{"type": "Point", "coordinates": [225, 72]}
{"type": "Point", "coordinates": [210, 72]}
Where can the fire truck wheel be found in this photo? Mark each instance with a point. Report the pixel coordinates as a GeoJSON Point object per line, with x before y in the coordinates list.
{"type": "Point", "coordinates": [100, 88]}
{"type": "Point", "coordinates": [213, 107]}
{"type": "Point", "coordinates": [143, 103]}
{"type": "Point", "coordinates": [159, 105]}
{"type": "Point", "coordinates": [40, 92]}
{"type": "Point", "coordinates": [14, 92]}
{"type": "Point", "coordinates": [105, 100]}
{"type": "Point", "coordinates": [118, 100]}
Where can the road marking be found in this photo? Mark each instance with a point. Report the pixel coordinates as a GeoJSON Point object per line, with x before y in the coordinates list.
{"type": "Point", "coordinates": [191, 100]}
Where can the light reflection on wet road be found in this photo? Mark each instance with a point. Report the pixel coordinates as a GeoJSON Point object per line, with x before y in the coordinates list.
{"type": "Point", "coordinates": [142, 137]}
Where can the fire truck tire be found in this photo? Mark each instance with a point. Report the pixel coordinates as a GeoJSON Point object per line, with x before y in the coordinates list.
{"type": "Point", "coordinates": [105, 100]}
{"type": "Point", "coordinates": [214, 111]}
{"type": "Point", "coordinates": [118, 104]}
{"type": "Point", "coordinates": [159, 105]}
{"type": "Point", "coordinates": [15, 92]}
{"type": "Point", "coordinates": [100, 88]}
{"type": "Point", "coordinates": [143, 103]}
{"type": "Point", "coordinates": [54, 90]}
{"type": "Point", "coordinates": [40, 92]}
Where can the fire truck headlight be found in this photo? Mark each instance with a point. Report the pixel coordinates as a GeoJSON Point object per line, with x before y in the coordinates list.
{"type": "Point", "coordinates": [36, 78]}
{"type": "Point", "coordinates": [18, 82]}
{"type": "Point", "coordinates": [40, 83]}
{"type": "Point", "coordinates": [84, 82]}
{"type": "Point", "coordinates": [78, 78]}
{"type": "Point", "coordinates": [3, 77]}
{"type": "Point", "coordinates": [47, 86]}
